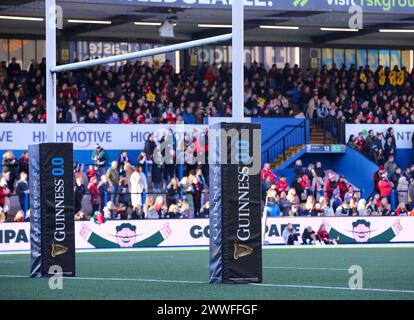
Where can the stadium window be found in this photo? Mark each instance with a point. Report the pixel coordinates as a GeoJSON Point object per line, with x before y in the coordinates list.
{"type": "Point", "coordinates": [269, 57]}
{"type": "Point", "coordinates": [296, 55]}
{"type": "Point", "coordinates": [218, 55]}
{"type": "Point", "coordinates": [146, 46]}
{"type": "Point", "coordinates": [225, 54]}
{"type": "Point", "coordinates": [254, 55]}
{"type": "Point", "coordinates": [134, 47]}
{"type": "Point", "coordinates": [4, 50]}
{"type": "Point", "coordinates": [384, 58]}
{"type": "Point", "coordinates": [16, 50]}
{"type": "Point", "coordinates": [40, 50]}
{"type": "Point", "coordinates": [373, 58]}
{"type": "Point", "coordinates": [339, 58]}
{"type": "Point", "coordinates": [362, 59]}
{"type": "Point", "coordinates": [97, 47]}
{"type": "Point", "coordinates": [82, 50]}
{"type": "Point", "coordinates": [315, 58]}
{"type": "Point", "coordinates": [29, 53]}
{"type": "Point", "coordinates": [407, 59]}
{"type": "Point", "coordinates": [327, 57]}
{"type": "Point", "coordinates": [350, 57]}
{"type": "Point", "coordinates": [160, 58]}
{"type": "Point", "coordinates": [395, 58]}
{"type": "Point", "coordinates": [280, 56]}
{"type": "Point", "coordinates": [248, 56]}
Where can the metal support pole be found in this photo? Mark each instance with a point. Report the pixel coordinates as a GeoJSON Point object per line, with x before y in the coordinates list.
{"type": "Point", "coordinates": [237, 60]}
{"type": "Point", "coordinates": [141, 54]}
{"type": "Point", "coordinates": [50, 22]}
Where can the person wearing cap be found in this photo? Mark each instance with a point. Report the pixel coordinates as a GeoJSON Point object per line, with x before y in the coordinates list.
{"type": "Point", "coordinates": [390, 165]}
{"type": "Point", "coordinates": [113, 180]}
{"type": "Point", "coordinates": [377, 177]}
{"type": "Point", "coordinates": [369, 141]}
{"type": "Point", "coordinates": [101, 158]}
{"type": "Point", "coordinates": [330, 186]}
{"type": "Point", "coordinates": [342, 186]}
{"type": "Point", "coordinates": [385, 187]}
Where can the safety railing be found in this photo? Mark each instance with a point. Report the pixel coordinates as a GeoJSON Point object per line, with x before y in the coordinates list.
{"type": "Point", "coordinates": [296, 135]}
{"type": "Point", "coordinates": [333, 128]}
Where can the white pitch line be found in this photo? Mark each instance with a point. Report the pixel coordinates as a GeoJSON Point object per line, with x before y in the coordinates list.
{"type": "Point", "coordinates": [202, 282]}
{"type": "Point", "coordinates": [137, 280]}
{"type": "Point", "coordinates": [206, 248]}
{"type": "Point", "coordinates": [305, 268]}
{"type": "Point", "coordinates": [111, 279]}
{"type": "Point", "coordinates": [329, 288]}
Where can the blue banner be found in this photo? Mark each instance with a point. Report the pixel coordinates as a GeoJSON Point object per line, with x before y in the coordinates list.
{"type": "Point", "coordinates": [379, 6]}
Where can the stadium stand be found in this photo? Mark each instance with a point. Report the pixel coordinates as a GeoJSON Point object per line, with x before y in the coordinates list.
{"type": "Point", "coordinates": [141, 93]}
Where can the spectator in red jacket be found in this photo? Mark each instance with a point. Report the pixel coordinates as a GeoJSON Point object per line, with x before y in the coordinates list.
{"type": "Point", "coordinates": [95, 194]}
{"type": "Point", "coordinates": [4, 194]}
{"type": "Point", "coordinates": [282, 185]}
{"type": "Point", "coordinates": [385, 187]}
{"type": "Point", "coordinates": [267, 172]}
{"type": "Point", "coordinates": [91, 172]}
{"type": "Point", "coordinates": [305, 183]}
{"type": "Point", "coordinates": [377, 177]}
{"type": "Point", "coordinates": [324, 236]}
{"type": "Point", "coordinates": [361, 142]}
{"type": "Point", "coordinates": [330, 186]}
{"type": "Point", "coordinates": [343, 187]}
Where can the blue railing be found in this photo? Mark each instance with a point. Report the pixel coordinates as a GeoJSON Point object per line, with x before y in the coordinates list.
{"type": "Point", "coordinates": [296, 135]}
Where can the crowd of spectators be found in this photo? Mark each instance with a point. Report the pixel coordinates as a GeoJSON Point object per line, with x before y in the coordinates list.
{"type": "Point", "coordinates": [318, 192]}
{"type": "Point", "coordinates": [143, 93]}
{"type": "Point", "coordinates": [126, 188]}
{"type": "Point", "coordinates": [376, 146]}
{"type": "Point", "coordinates": [144, 189]}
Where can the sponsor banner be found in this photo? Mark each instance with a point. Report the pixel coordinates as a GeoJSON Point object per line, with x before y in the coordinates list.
{"type": "Point", "coordinates": [86, 136]}
{"type": "Point", "coordinates": [52, 225]}
{"type": "Point", "coordinates": [387, 6]}
{"type": "Point", "coordinates": [35, 214]}
{"type": "Point", "coordinates": [216, 216]}
{"type": "Point", "coordinates": [236, 256]}
{"type": "Point", "coordinates": [195, 232]}
{"type": "Point", "coordinates": [403, 132]}
{"type": "Point", "coordinates": [57, 206]}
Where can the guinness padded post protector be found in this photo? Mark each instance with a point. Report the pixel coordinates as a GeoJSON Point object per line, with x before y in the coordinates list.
{"type": "Point", "coordinates": [235, 203]}
{"type": "Point", "coordinates": [52, 226]}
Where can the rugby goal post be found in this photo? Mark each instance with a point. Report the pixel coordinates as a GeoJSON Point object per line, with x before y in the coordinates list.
{"type": "Point", "coordinates": [43, 162]}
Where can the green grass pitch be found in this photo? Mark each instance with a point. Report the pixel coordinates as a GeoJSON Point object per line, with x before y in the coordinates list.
{"type": "Point", "coordinates": [289, 273]}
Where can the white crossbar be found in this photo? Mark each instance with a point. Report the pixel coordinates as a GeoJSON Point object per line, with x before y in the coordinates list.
{"type": "Point", "coordinates": [140, 54]}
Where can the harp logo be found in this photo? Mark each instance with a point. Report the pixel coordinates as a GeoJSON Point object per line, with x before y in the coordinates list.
{"type": "Point", "coordinates": [241, 250]}
{"type": "Point", "coordinates": [58, 249]}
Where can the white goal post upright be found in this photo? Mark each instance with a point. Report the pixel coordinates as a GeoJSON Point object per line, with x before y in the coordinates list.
{"type": "Point", "coordinates": [237, 46]}
{"type": "Point", "coordinates": [50, 23]}
{"type": "Point", "coordinates": [237, 37]}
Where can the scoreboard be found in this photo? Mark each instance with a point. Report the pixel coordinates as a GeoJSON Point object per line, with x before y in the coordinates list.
{"type": "Point", "coordinates": [321, 148]}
